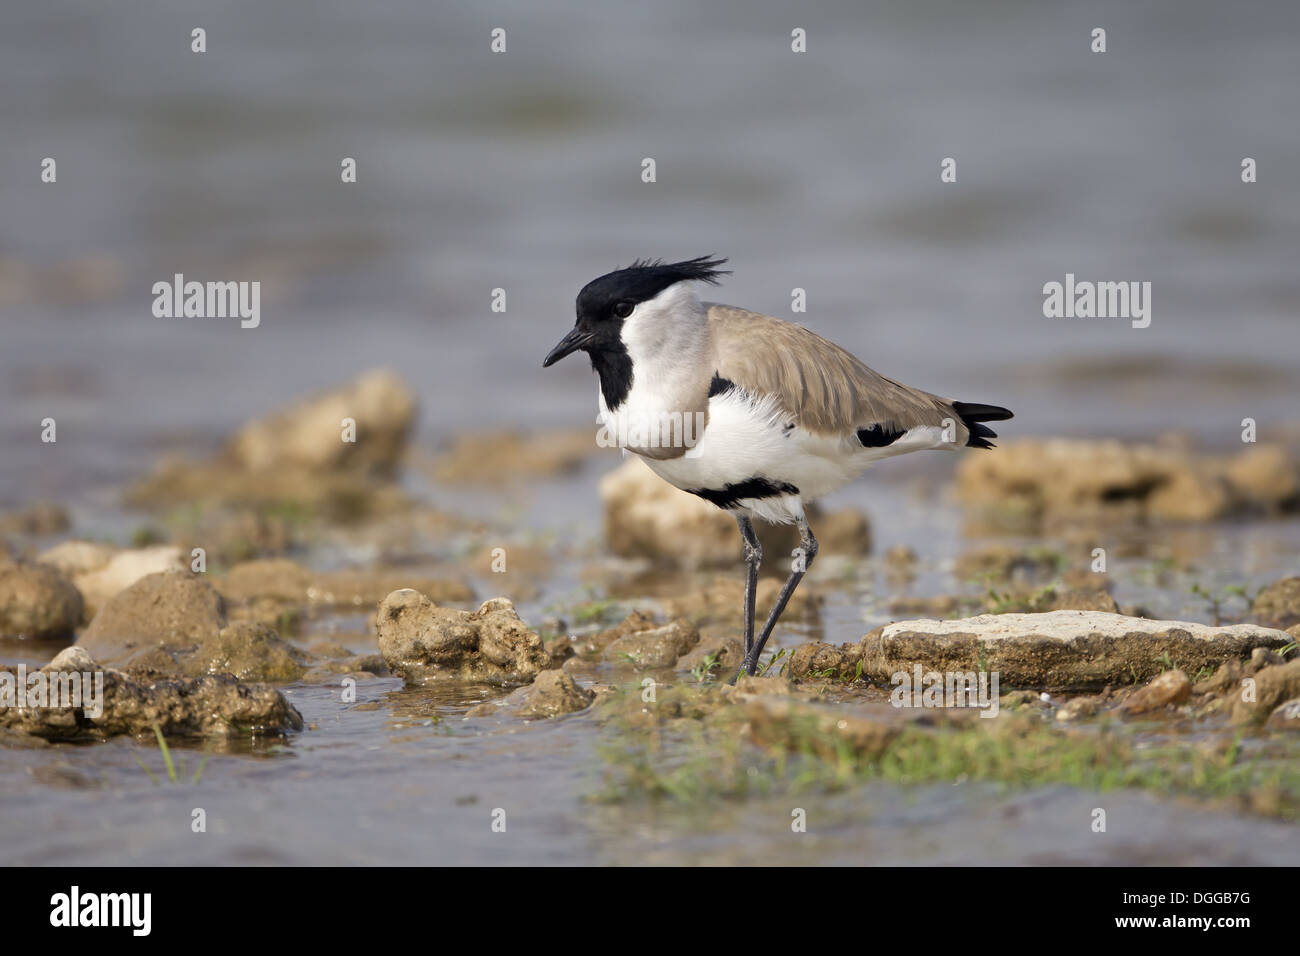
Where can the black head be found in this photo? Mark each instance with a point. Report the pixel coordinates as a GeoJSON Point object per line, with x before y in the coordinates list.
{"type": "Point", "coordinates": [605, 302]}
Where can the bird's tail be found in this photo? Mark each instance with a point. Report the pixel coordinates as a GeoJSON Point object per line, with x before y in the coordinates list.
{"type": "Point", "coordinates": [973, 415]}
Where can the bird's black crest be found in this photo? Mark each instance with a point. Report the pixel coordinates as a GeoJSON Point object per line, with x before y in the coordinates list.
{"type": "Point", "coordinates": [700, 269]}
{"type": "Point", "coordinates": [643, 279]}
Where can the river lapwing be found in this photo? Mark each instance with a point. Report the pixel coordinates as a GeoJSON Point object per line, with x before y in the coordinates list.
{"type": "Point", "coordinates": [752, 413]}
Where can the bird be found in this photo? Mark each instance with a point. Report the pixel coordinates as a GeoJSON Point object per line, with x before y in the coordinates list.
{"type": "Point", "coordinates": [754, 414]}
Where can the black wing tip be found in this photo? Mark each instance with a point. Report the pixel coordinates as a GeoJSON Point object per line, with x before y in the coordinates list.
{"type": "Point", "coordinates": [973, 415]}
{"type": "Point", "coordinates": [976, 412]}
{"type": "Point", "coordinates": [719, 385]}
{"type": "Point", "coordinates": [878, 436]}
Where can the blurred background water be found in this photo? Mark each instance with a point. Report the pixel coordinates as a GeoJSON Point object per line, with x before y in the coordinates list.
{"type": "Point", "coordinates": [522, 171]}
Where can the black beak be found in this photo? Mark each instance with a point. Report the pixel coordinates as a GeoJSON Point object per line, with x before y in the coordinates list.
{"type": "Point", "coordinates": [576, 339]}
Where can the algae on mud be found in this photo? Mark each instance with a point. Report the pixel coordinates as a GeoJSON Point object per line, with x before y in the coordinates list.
{"type": "Point", "coordinates": [699, 749]}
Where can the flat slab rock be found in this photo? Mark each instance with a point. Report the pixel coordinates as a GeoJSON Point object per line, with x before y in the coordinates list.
{"type": "Point", "coordinates": [1059, 649]}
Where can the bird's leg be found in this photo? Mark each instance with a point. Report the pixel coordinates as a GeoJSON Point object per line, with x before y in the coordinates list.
{"type": "Point", "coordinates": [753, 557]}
{"type": "Point", "coordinates": [804, 562]}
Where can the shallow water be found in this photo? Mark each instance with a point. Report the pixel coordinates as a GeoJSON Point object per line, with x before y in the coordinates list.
{"type": "Point", "coordinates": [402, 777]}
{"type": "Point", "coordinates": [521, 171]}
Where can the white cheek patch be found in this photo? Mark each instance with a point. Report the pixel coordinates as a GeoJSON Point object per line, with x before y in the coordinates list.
{"type": "Point", "coordinates": [672, 317]}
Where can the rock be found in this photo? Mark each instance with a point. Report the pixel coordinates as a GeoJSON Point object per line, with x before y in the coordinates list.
{"type": "Point", "coordinates": [338, 496]}
{"type": "Point", "coordinates": [1078, 708]}
{"type": "Point", "coordinates": [1266, 477]}
{"type": "Point", "coordinates": [1061, 476]}
{"type": "Point", "coordinates": [786, 724]}
{"type": "Point", "coordinates": [309, 434]}
{"type": "Point", "coordinates": [123, 569]}
{"type": "Point", "coordinates": [77, 557]}
{"type": "Point", "coordinates": [38, 519]}
{"type": "Point", "coordinates": [422, 642]}
{"type": "Point", "coordinates": [1030, 601]}
{"type": "Point", "coordinates": [818, 659]}
{"type": "Point", "coordinates": [229, 536]}
{"type": "Point", "coordinates": [1278, 605]}
{"type": "Point", "coordinates": [36, 601]}
{"type": "Point", "coordinates": [1068, 481]}
{"type": "Point", "coordinates": [285, 582]}
{"type": "Point", "coordinates": [637, 621]}
{"type": "Point", "coordinates": [72, 658]}
{"type": "Point", "coordinates": [846, 531]}
{"type": "Point", "coordinates": [1000, 563]}
{"type": "Point", "coordinates": [722, 602]}
{"type": "Point", "coordinates": [1286, 716]}
{"type": "Point", "coordinates": [552, 693]}
{"type": "Point", "coordinates": [1083, 599]}
{"type": "Point", "coordinates": [645, 517]}
{"type": "Point", "coordinates": [560, 650]}
{"type": "Point", "coordinates": [173, 624]}
{"type": "Point", "coordinates": [249, 652]}
{"type": "Point", "coordinates": [900, 562]}
{"type": "Point", "coordinates": [750, 686]}
{"type": "Point", "coordinates": [210, 706]}
{"type": "Point", "coordinates": [653, 649]}
{"type": "Point", "coordinates": [684, 700]}
{"type": "Point", "coordinates": [945, 605]}
{"type": "Point", "coordinates": [276, 579]}
{"type": "Point", "coordinates": [500, 457]}
{"type": "Point", "coordinates": [714, 656]}
{"type": "Point", "coordinates": [1192, 494]}
{"type": "Point", "coordinates": [1262, 657]}
{"type": "Point", "coordinates": [1058, 649]}
{"type": "Point", "coordinates": [1273, 686]}
{"type": "Point", "coordinates": [1171, 687]}
{"type": "Point", "coordinates": [168, 609]}
{"type": "Point", "coordinates": [1228, 675]}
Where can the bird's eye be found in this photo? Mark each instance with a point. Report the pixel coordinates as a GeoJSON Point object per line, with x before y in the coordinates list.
{"type": "Point", "coordinates": [623, 309]}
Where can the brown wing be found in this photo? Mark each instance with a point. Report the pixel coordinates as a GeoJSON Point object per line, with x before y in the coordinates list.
{"type": "Point", "coordinates": [824, 387]}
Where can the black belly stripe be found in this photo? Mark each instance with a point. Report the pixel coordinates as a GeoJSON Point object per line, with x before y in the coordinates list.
{"type": "Point", "coordinates": [729, 495]}
{"type": "Point", "coordinates": [877, 437]}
